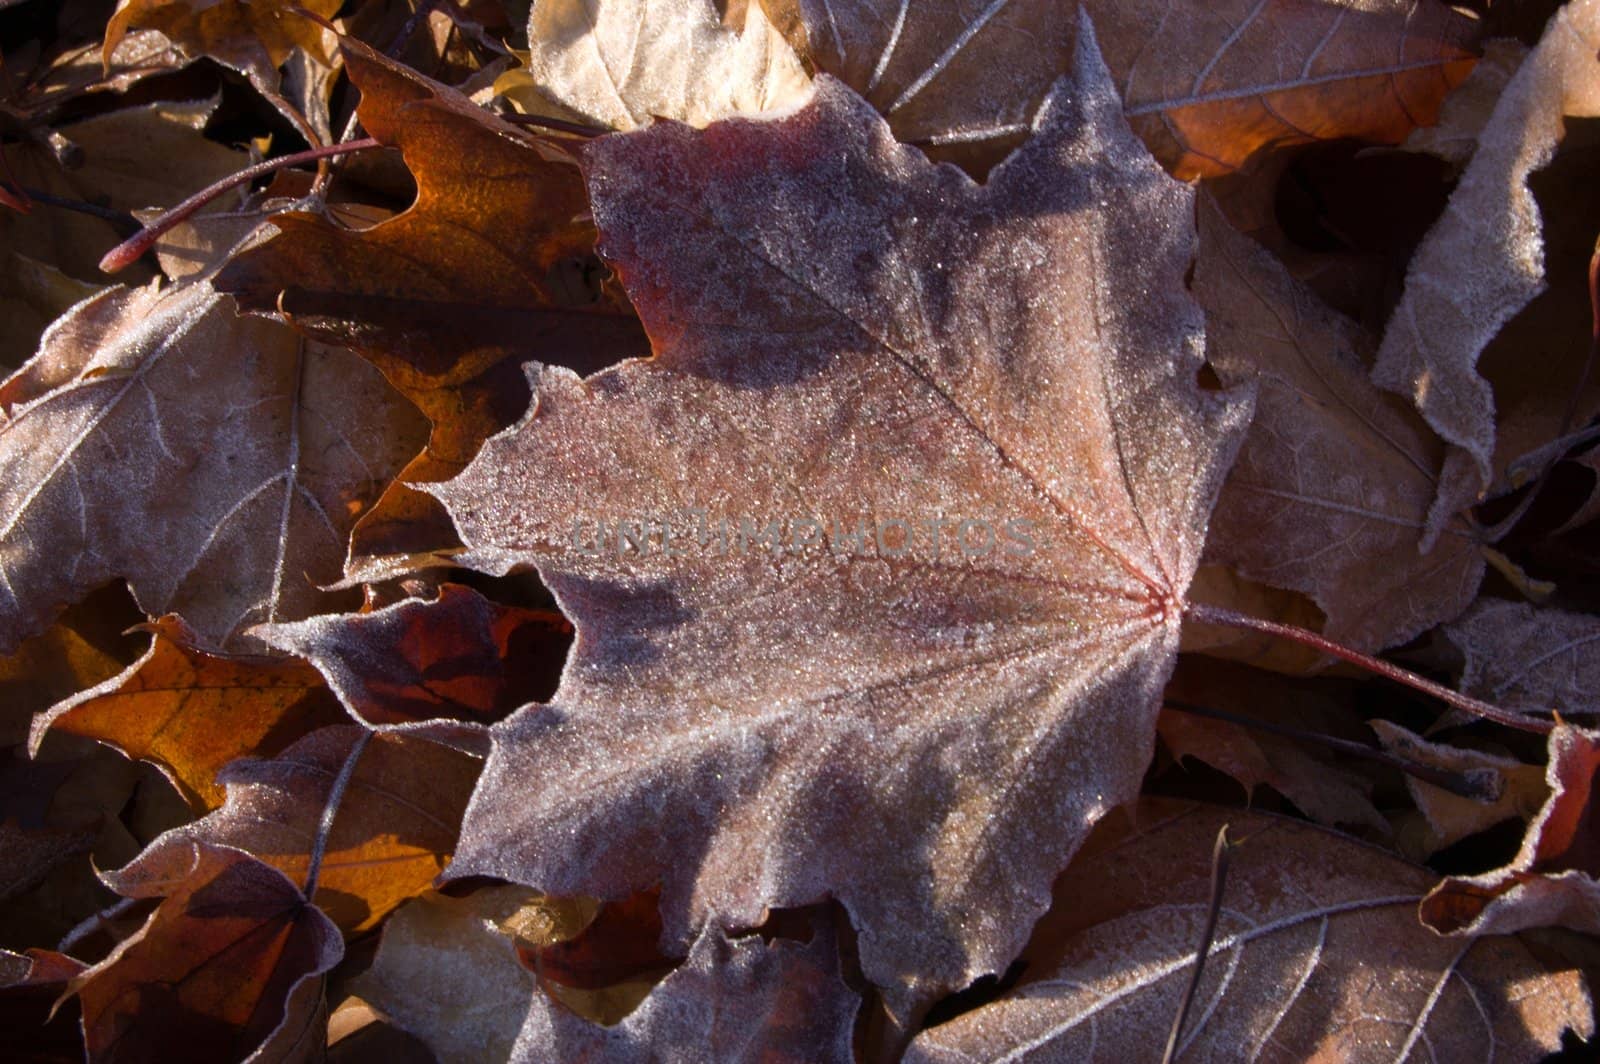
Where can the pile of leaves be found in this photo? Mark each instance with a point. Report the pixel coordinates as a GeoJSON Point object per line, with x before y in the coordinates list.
{"type": "Point", "coordinates": [637, 530]}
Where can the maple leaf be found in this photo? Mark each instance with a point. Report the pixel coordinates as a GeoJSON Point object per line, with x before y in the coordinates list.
{"type": "Point", "coordinates": [254, 37]}
{"type": "Point", "coordinates": [1335, 481]}
{"type": "Point", "coordinates": [743, 1000]}
{"type": "Point", "coordinates": [1293, 971]}
{"type": "Point", "coordinates": [227, 965]}
{"type": "Point", "coordinates": [395, 827]}
{"type": "Point", "coordinates": [459, 657]}
{"type": "Point", "coordinates": [278, 444]}
{"type": "Point", "coordinates": [1528, 658]}
{"type": "Point", "coordinates": [622, 64]}
{"type": "Point", "coordinates": [845, 330]}
{"type": "Point", "coordinates": [1484, 259]}
{"type": "Point", "coordinates": [1205, 84]}
{"type": "Point", "coordinates": [190, 712]}
{"type": "Point", "coordinates": [452, 295]}
{"type": "Point", "coordinates": [1554, 880]}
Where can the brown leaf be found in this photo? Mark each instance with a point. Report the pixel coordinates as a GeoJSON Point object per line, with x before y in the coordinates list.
{"type": "Point", "coordinates": [1332, 489]}
{"type": "Point", "coordinates": [1205, 84]}
{"type": "Point", "coordinates": [32, 296]}
{"type": "Point", "coordinates": [619, 944]}
{"type": "Point", "coordinates": [190, 712]}
{"type": "Point", "coordinates": [846, 334]}
{"type": "Point", "coordinates": [229, 960]}
{"type": "Point", "coordinates": [1552, 882]}
{"type": "Point", "coordinates": [277, 444]}
{"type": "Point", "coordinates": [87, 646]}
{"type": "Point", "coordinates": [1309, 776]}
{"type": "Point", "coordinates": [148, 156]}
{"type": "Point", "coordinates": [1469, 106]}
{"type": "Point", "coordinates": [30, 984]}
{"type": "Point", "coordinates": [621, 64]}
{"type": "Point", "coordinates": [1519, 788]}
{"type": "Point", "coordinates": [743, 1000]}
{"type": "Point", "coordinates": [460, 657]}
{"type": "Point", "coordinates": [392, 834]}
{"type": "Point", "coordinates": [1484, 259]}
{"type": "Point", "coordinates": [1531, 658]}
{"type": "Point", "coordinates": [451, 296]}
{"type": "Point", "coordinates": [253, 37]}
{"type": "Point", "coordinates": [1317, 956]}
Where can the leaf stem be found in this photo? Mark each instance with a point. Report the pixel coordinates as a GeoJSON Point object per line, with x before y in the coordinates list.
{"type": "Point", "coordinates": [1220, 855]}
{"type": "Point", "coordinates": [577, 129]}
{"type": "Point", "coordinates": [330, 809]}
{"type": "Point", "coordinates": [1226, 618]}
{"type": "Point", "coordinates": [127, 252]}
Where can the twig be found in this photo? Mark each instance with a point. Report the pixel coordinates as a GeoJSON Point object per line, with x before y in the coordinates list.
{"type": "Point", "coordinates": [124, 221]}
{"type": "Point", "coordinates": [129, 250]}
{"type": "Point", "coordinates": [330, 809]}
{"type": "Point", "coordinates": [1305, 637]}
{"type": "Point", "coordinates": [577, 129]}
{"type": "Point", "coordinates": [1219, 881]}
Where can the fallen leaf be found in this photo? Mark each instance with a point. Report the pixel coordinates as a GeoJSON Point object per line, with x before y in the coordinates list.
{"type": "Point", "coordinates": [1205, 84]}
{"type": "Point", "coordinates": [1528, 657]}
{"type": "Point", "coordinates": [459, 657]}
{"type": "Point", "coordinates": [741, 1000]}
{"type": "Point", "coordinates": [30, 983]}
{"type": "Point", "coordinates": [253, 37]}
{"type": "Point", "coordinates": [34, 295]}
{"type": "Point", "coordinates": [1332, 488]}
{"type": "Point", "coordinates": [1483, 261]}
{"type": "Point", "coordinates": [190, 712]}
{"type": "Point", "coordinates": [87, 645]}
{"type": "Point", "coordinates": [1464, 113]}
{"type": "Point", "coordinates": [832, 344]}
{"type": "Point", "coordinates": [451, 296]}
{"type": "Point", "coordinates": [1519, 788]}
{"type": "Point", "coordinates": [446, 973]}
{"type": "Point", "coordinates": [152, 155]}
{"type": "Point", "coordinates": [620, 64]}
{"type": "Point", "coordinates": [1317, 956]}
{"type": "Point", "coordinates": [278, 445]}
{"type": "Point", "coordinates": [230, 960]}
{"type": "Point", "coordinates": [1552, 882]}
{"type": "Point", "coordinates": [391, 835]}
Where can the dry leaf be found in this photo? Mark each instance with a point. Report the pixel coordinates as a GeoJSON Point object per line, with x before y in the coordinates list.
{"type": "Point", "coordinates": [1483, 261]}
{"type": "Point", "coordinates": [148, 156]}
{"type": "Point", "coordinates": [1519, 789]}
{"type": "Point", "coordinates": [229, 961]}
{"type": "Point", "coordinates": [190, 712]}
{"type": "Point", "coordinates": [1205, 83]}
{"type": "Point", "coordinates": [278, 445]}
{"type": "Point", "coordinates": [1332, 488]}
{"type": "Point", "coordinates": [744, 1000]}
{"type": "Point", "coordinates": [393, 833]}
{"type": "Point", "coordinates": [33, 295]}
{"type": "Point", "coordinates": [832, 344]}
{"type": "Point", "coordinates": [1530, 658]}
{"type": "Point", "coordinates": [620, 63]}
{"type": "Point", "coordinates": [460, 657]}
{"type": "Point", "coordinates": [253, 37]}
{"type": "Point", "coordinates": [450, 297]}
{"type": "Point", "coordinates": [1552, 882]}
{"type": "Point", "coordinates": [1317, 956]}
{"type": "Point", "coordinates": [1468, 108]}
{"type": "Point", "coordinates": [447, 973]}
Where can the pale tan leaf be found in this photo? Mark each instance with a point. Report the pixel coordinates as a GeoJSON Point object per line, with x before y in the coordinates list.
{"type": "Point", "coordinates": [1331, 491]}
{"type": "Point", "coordinates": [620, 63]}
{"type": "Point", "coordinates": [215, 462]}
{"type": "Point", "coordinates": [1483, 261]}
{"type": "Point", "coordinates": [1519, 789]}
{"type": "Point", "coordinates": [1317, 956]}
